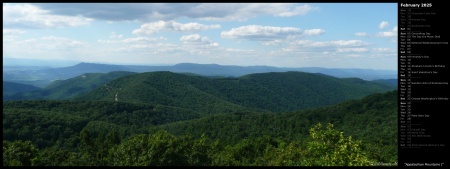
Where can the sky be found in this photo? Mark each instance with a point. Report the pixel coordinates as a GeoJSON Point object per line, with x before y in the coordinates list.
{"type": "Point", "coordinates": [329, 35]}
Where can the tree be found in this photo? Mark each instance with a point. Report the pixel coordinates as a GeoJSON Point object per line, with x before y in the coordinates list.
{"type": "Point", "coordinates": [52, 156]}
{"type": "Point", "coordinates": [329, 147]}
{"type": "Point", "coordinates": [18, 153]}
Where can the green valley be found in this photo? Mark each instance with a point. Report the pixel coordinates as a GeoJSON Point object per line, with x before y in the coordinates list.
{"type": "Point", "coordinates": [165, 118]}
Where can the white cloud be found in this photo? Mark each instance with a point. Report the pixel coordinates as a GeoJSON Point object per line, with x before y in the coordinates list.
{"type": "Point", "coordinates": [238, 50]}
{"type": "Point", "coordinates": [13, 31]}
{"type": "Point", "coordinates": [29, 16]}
{"type": "Point", "coordinates": [383, 24]}
{"type": "Point", "coordinates": [391, 34]}
{"type": "Point", "coordinates": [196, 44]}
{"type": "Point", "coordinates": [361, 34]}
{"type": "Point", "coordinates": [45, 44]}
{"type": "Point", "coordinates": [133, 40]}
{"type": "Point", "coordinates": [154, 27]}
{"type": "Point", "coordinates": [58, 42]}
{"type": "Point", "coordinates": [197, 40]}
{"type": "Point", "coordinates": [143, 39]}
{"type": "Point", "coordinates": [357, 50]}
{"type": "Point", "coordinates": [48, 47]}
{"type": "Point", "coordinates": [298, 10]}
{"type": "Point", "coordinates": [171, 11]}
{"type": "Point", "coordinates": [313, 32]}
{"type": "Point", "coordinates": [272, 42]}
{"type": "Point", "coordinates": [387, 50]}
{"type": "Point", "coordinates": [388, 34]}
{"type": "Point", "coordinates": [319, 48]}
{"type": "Point", "coordinates": [338, 43]}
{"type": "Point", "coordinates": [260, 33]}
{"type": "Point", "coordinates": [269, 35]}
{"type": "Point", "coordinates": [394, 29]}
{"type": "Point", "coordinates": [114, 35]}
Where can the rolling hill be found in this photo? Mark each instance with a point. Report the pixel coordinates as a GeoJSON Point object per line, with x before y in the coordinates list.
{"type": "Point", "coordinates": [372, 119]}
{"type": "Point", "coordinates": [282, 91]}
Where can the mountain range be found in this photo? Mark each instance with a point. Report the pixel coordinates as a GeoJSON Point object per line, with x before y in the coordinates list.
{"type": "Point", "coordinates": [43, 77]}
{"type": "Point", "coordinates": [247, 120]}
{"type": "Point", "coordinates": [276, 91]}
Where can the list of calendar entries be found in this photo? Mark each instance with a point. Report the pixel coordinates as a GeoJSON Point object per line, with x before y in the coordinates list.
{"type": "Point", "coordinates": [422, 76]}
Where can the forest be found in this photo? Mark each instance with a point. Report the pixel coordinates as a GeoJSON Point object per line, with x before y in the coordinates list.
{"type": "Point", "coordinates": [170, 119]}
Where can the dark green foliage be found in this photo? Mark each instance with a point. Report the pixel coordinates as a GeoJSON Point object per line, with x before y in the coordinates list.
{"type": "Point", "coordinates": [47, 123]}
{"type": "Point", "coordinates": [372, 119]}
{"type": "Point", "coordinates": [286, 91]}
{"type": "Point", "coordinates": [162, 149]}
{"type": "Point", "coordinates": [330, 148]}
{"type": "Point", "coordinates": [18, 153]}
{"type": "Point", "coordinates": [164, 88]}
{"type": "Point", "coordinates": [54, 156]}
{"type": "Point", "coordinates": [326, 147]}
{"type": "Point", "coordinates": [163, 118]}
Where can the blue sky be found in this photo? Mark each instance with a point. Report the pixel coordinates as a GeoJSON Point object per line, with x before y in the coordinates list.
{"type": "Point", "coordinates": [331, 35]}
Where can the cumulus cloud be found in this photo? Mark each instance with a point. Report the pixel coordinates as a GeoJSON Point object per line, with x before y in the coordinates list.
{"type": "Point", "coordinates": [269, 35]}
{"type": "Point", "coordinates": [391, 34]}
{"type": "Point", "coordinates": [313, 32]}
{"type": "Point", "coordinates": [58, 42]}
{"type": "Point", "coordinates": [388, 34]}
{"type": "Point", "coordinates": [338, 43]}
{"type": "Point", "coordinates": [29, 16]}
{"type": "Point", "coordinates": [47, 44]}
{"type": "Point", "coordinates": [197, 40]}
{"type": "Point", "coordinates": [48, 47]}
{"type": "Point", "coordinates": [154, 27]}
{"type": "Point", "coordinates": [133, 40]}
{"type": "Point", "coordinates": [272, 42]}
{"type": "Point", "coordinates": [298, 10]}
{"type": "Point", "coordinates": [260, 32]}
{"type": "Point", "coordinates": [387, 50]}
{"type": "Point", "coordinates": [328, 47]}
{"type": "Point", "coordinates": [13, 31]}
{"type": "Point", "coordinates": [198, 45]}
{"type": "Point", "coordinates": [170, 11]}
{"type": "Point", "coordinates": [358, 50]}
{"type": "Point", "coordinates": [383, 24]}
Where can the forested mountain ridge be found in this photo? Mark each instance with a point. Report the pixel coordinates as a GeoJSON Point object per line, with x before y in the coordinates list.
{"type": "Point", "coordinates": [165, 88]}
{"type": "Point", "coordinates": [66, 89]}
{"type": "Point", "coordinates": [281, 91]}
{"type": "Point", "coordinates": [372, 119]}
{"type": "Point", "coordinates": [165, 118]}
{"type": "Point", "coordinates": [57, 122]}
{"type": "Point", "coordinates": [107, 132]}
{"type": "Point", "coordinates": [11, 88]}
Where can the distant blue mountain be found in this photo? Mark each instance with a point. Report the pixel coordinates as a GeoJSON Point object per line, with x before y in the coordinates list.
{"type": "Point", "coordinates": [10, 88]}
{"type": "Point", "coordinates": [51, 74]}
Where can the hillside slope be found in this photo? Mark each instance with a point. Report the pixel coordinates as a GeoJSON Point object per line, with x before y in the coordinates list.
{"type": "Point", "coordinates": [287, 91]}
{"type": "Point", "coordinates": [372, 119]}
{"type": "Point", "coordinates": [10, 88]}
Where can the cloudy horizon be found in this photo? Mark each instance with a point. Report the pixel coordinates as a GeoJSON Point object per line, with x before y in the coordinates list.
{"type": "Point", "coordinates": [329, 35]}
